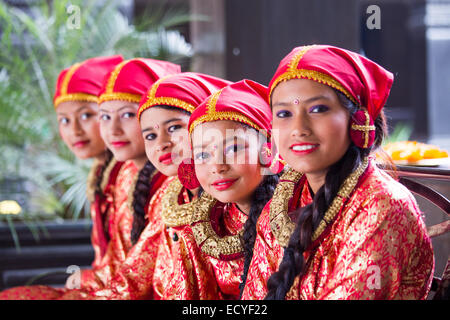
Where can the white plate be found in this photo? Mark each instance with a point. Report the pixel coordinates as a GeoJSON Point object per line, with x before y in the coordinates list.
{"type": "Point", "coordinates": [425, 162]}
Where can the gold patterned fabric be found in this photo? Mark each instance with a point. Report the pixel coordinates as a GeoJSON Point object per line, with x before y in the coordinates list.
{"type": "Point", "coordinates": [118, 221]}
{"type": "Point", "coordinates": [134, 278]}
{"type": "Point", "coordinates": [376, 248]}
{"type": "Point", "coordinates": [199, 276]}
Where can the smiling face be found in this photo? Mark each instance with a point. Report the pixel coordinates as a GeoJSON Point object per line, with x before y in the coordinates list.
{"type": "Point", "coordinates": [79, 128]}
{"type": "Point", "coordinates": [166, 138]}
{"type": "Point", "coordinates": [121, 132]}
{"type": "Point", "coordinates": [225, 163]}
{"type": "Point", "coordinates": [310, 126]}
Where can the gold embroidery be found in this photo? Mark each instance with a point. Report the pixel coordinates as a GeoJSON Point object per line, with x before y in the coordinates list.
{"type": "Point", "coordinates": [213, 115]}
{"type": "Point", "coordinates": [109, 90]}
{"type": "Point", "coordinates": [280, 223]}
{"type": "Point", "coordinates": [106, 173]}
{"type": "Point", "coordinates": [64, 96]}
{"type": "Point", "coordinates": [365, 128]}
{"type": "Point", "coordinates": [205, 237]}
{"type": "Point", "coordinates": [167, 101]}
{"type": "Point", "coordinates": [75, 97]}
{"type": "Point", "coordinates": [172, 213]}
{"type": "Point", "coordinates": [293, 73]}
{"type": "Point", "coordinates": [113, 77]}
{"type": "Point", "coordinates": [312, 75]}
{"type": "Point", "coordinates": [152, 100]}
{"type": "Point", "coordinates": [122, 96]}
{"type": "Point", "coordinates": [338, 202]}
{"type": "Point", "coordinates": [67, 77]}
{"type": "Point", "coordinates": [293, 64]}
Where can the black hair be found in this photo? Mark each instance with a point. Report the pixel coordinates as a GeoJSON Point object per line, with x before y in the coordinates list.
{"type": "Point", "coordinates": [98, 184]}
{"type": "Point", "coordinates": [309, 217]}
{"type": "Point", "coordinates": [261, 196]}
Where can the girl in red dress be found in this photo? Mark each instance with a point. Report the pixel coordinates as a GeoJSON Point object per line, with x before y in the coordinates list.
{"type": "Point", "coordinates": [228, 131]}
{"type": "Point", "coordinates": [337, 227]}
{"type": "Point", "coordinates": [164, 114]}
{"type": "Point", "coordinates": [118, 103]}
{"type": "Point", "coordinates": [76, 105]}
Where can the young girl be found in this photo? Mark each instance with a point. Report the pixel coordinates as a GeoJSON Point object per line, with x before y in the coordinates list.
{"type": "Point", "coordinates": [164, 114]}
{"type": "Point", "coordinates": [225, 134]}
{"type": "Point", "coordinates": [76, 106]}
{"type": "Point", "coordinates": [337, 227]}
{"type": "Point", "coordinates": [118, 104]}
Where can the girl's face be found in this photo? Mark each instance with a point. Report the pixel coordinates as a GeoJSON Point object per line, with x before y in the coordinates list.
{"type": "Point", "coordinates": [79, 128]}
{"type": "Point", "coordinates": [225, 162]}
{"type": "Point", "coordinates": [166, 138]}
{"type": "Point", "coordinates": [310, 126]}
{"type": "Point", "coordinates": [120, 130]}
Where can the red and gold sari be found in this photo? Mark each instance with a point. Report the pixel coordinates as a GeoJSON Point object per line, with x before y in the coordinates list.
{"type": "Point", "coordinates": [134, 279]}
{"type": "Point", "coordinates": [116, 221]}
{"type": "Point", "coordinates": [376, 247]}
{"type": "Point", "coordinates": [209, 262]}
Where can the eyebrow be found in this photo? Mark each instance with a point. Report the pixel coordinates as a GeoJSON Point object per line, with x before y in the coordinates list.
{"type": "Point", "coordinates": [307, 101]}
{"type": "Point", "coordinates": [164, 123]}
{"type": "Point", "coordinates": [121, 108]}
{"type": "Point", "coordinates": [233, 138]}
{"type": "Point", "coordinates": [78, 110]}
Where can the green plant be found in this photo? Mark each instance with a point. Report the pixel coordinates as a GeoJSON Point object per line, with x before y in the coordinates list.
{"type": "Point", "coordinates": [401, 132]}
{"type": "Point", "coordinates": [35, 47]}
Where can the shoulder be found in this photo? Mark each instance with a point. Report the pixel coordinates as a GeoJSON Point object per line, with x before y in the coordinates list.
{"type": "Point", "coordinates": [382, 203]}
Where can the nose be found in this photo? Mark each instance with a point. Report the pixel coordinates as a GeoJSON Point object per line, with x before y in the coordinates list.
{"type": "Point", "coordinates": [115, 127]}
{"type": "Point", "coordinates": [77, 129]}
{"type": "Point", "coordinates": [301, 127]}
{"type": "Point", "coordinates": [164, 143]}
{"type": "Point", "coordinates": [219, 168]}
{"type": "Point", "coordinates": [218, 163]}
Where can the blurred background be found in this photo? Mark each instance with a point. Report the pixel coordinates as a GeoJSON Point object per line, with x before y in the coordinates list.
{"type": "Point", "coordinates": [47, 226]}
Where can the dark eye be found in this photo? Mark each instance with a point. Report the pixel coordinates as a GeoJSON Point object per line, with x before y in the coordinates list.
{"type": "Point", "coordinates": [86, 116]}
{"type": "Point", "coordinates": [318, 109]}
{"type": "Point", "coordinates": [128, 115]}
{"type": "Point", "coordinates": [233, 149]}
{"type": "Point", "coordinates": [283, 114]}
{"type": "Point", "coordinates": [201, 156]}
{"type": "Point", "coordinates": [63, 121]}
{"type": "Point", "coordinates": [174, 127]}
{"type": "Point", "coordinates": [105, 117]}
{"type": "Point", "coordinates": [151, 136]}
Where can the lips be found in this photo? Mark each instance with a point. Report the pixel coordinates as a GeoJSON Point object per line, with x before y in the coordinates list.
{"type": "Point", "coordinates": [223, 184]}
{"type": "Point", "coordinates": [303, 148]}
{"type": "Point", "coordinates": [119, 144]}
{"type": "Point", "coordinates": [166, 158]}
{"type": "Point", "coordinates": [80, 144]}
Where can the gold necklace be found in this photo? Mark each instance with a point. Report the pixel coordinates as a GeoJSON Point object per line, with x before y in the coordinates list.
{"type": "Point", "coordinates": [280, 223]}
{"type": "Point", "coordinates": [172, 213]}
{"type": "Point", "coordinates": [207, 239]}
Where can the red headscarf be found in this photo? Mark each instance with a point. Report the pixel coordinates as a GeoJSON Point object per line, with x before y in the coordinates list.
{"type": "Point", "coordinates": [244, 101]}
{"type": "Point", "coordinates": [130, 80]}
{"type": "Point", "coordinates": [363, 81]}
{"type": "Point", "coordinates": [83, 81]}
{"type": "Point", "coordinates": [184, 90]}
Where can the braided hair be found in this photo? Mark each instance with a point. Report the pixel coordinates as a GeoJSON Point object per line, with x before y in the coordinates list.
{"type": "Point", "coordinates": [141, 193]}
{"type": "Point", "coordinates": [141, 196]}
{"type": "Point", "coordinates": [260, 197]}
{"type": "Point", "coordinates": [309, 217]}
{"type": "Point", "coordinates": [98, 184]}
